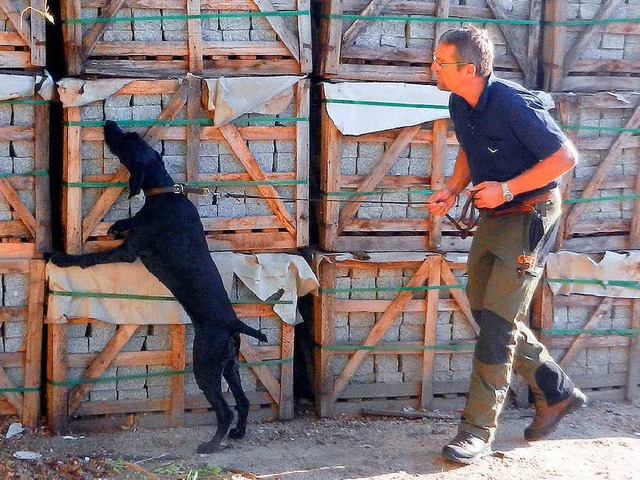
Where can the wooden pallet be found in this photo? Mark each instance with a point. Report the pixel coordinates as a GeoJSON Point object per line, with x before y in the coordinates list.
{"type": "Point", "coordinates": [150, 366]}
{"type": "Point", "coordinates": [20, 356]}
{"type": "Point", "coordinates": [25, 223]}
{"type": "Point", "coordinates": [590, 57]}
{"type": "Point", "coordinates": [210, 38]}
{"type": "Point", "coordinates": [260, 207]}
{"type": "Point", "coordinates": [22, 37]}
{"type": "Point", "coordinates": [400, 51]}
{"type": "Point", "coordinates": [601, 125]}
{"type": "Point", "coordinates": [607, 366]}
{"type": "Point", "coordinates": [394, 169]}
{"type": "Point", "coordinates": [373, 338]}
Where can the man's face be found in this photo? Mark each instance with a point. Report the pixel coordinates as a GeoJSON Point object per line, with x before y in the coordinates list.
{"type": "Point", "coordinates": [450, 74]}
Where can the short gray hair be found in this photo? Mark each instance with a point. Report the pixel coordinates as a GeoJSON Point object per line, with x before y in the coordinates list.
{"type": "Point", "coordinates": [473, 45]}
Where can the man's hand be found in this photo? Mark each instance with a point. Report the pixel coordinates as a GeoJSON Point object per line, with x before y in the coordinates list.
{"type": "Point", "coordinates": [440, 202]}
{"type": "Point", "coordinates": [487, 195]}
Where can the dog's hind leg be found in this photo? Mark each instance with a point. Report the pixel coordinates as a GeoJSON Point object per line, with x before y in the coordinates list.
{"type": "Point", "coordinates": [208, 365]}
{"type": "Point", "coordinates": [232, 376]}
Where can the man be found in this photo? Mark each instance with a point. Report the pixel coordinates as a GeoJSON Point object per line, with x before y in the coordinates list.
{"type": "Point", "coordinates": [513, 153]}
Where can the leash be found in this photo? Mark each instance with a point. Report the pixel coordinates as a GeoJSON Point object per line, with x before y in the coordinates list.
{"type": "Point", "coordinates": [180, 189]}
{"type": "Point", "coordinates": [469, 217]}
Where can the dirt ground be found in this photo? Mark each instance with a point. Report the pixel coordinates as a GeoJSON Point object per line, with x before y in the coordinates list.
{"type": "Point", "coordinates": [601, 441]}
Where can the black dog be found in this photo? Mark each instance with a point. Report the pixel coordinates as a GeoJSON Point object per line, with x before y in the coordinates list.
{"type": "Point", "coordinates": [168, 237]}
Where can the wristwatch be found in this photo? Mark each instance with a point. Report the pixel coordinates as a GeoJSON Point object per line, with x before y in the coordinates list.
{"type": "Point", "coordinates": [506, 193]}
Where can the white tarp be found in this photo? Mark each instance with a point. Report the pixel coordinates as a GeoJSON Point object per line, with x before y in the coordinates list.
{"type": "Point", "coordinates": [230, 98]}
{"type": "Point", "coordinates": [263, 274]}
{"type": "Point", "coordinates": [20, 86]}
{"type": "Point", "coordinates": [75, 92]}
{"type": "Point", "coordinates": [616, 267]}
{"type": "Point", "coordinates": [356, 119]}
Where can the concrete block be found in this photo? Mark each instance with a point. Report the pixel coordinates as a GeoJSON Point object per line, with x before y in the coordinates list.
{"type": "Point", "coordinates": [235, 36]}
{"type": "Point", "coordinates": [77, 345]}
{"type": "Point", "coordinates": [362, 319]}
{"type": "Point", "coordinates": [15, 329]}
{"type": "Point", "coordinates": [411, 333]}
{"type": "Point", "coordinates": [462, 362]}
{"type": "Point", "coordinates": [102, 395]}
{"type": "Point", "coordinates": [367, 283]}
{"type": "Point", "coordinates": [16, 287]}
{"type": "Point", "coordinates": [411, 367]}
{"type": "Point", "coordinates": [391, 283]}
{"type": "Point", "coordinates": [132, 394]}
{"type": "Point", "coordinates": [284, 162]}
{"type": "Point", "coordinates": [391, 377]}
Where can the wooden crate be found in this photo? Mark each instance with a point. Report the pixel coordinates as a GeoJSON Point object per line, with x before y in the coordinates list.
{"type": "Point", "coordinates": [22, 37]}
{"type": "Point", "coordinates": [105, 375]}
{"type": "Point", "coordinates": [258, 165]}
{"type": "Point", "coordinates": [395, 170]}
{"type": "Point", "coordinates": [21, 316]}
{"type": "Point", "coordinates": [395, 330]}
{"type": "Point", "coordinates": [165, 38]}
{"type": "Point", "coordinates": [605, 365]}
{"type": "Point", "coordinates": [25, 204]}
{"type": "Point", "coordinates": [399, 49]}
{"type": "Point", "coordinates": [605, 182]}
{"type": "Point", "coordinates": [590, 46]}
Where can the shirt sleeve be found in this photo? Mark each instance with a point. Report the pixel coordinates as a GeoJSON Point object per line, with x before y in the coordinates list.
{"type": "Point", "coordinates": [533, 126]}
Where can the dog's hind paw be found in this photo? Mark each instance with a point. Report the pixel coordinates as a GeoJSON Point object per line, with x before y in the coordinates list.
{"type": "Point", "coordinates": [208, 447]}
{"type": "Point", "coordinates": [262, 337]}
{"type": "Point", "coordinates": [237, 433]}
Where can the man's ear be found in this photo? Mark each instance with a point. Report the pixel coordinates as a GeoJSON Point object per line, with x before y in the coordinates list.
{"type": "Point", "coordinates": [136, 178]}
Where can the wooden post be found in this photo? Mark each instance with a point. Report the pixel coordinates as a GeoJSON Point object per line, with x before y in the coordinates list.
{"type": "Point", "coordinates": [324, 320]}
{"type": "Point", "coordinates": [57, 376]}
{"type": "Point", "coordinates": [176, 382]}
{"type": "Point", "coordinates": [286, 372]}
{"type": "Point", "coordinates": [302, 164]}
{"type": "Point", "coordinates": [437, 178]}
{"type": "Point", "coordinates": [430, 327]}
{"type": "Point", "coordinates": [72, 173]}
{"type": "Point", "coordinates": [331, 156]}
{"type": "Point", "coordinates": [41, 182]}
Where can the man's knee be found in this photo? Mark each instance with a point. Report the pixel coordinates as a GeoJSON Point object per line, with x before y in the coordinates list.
{"type": "Point", "coordinates": [492, 347]}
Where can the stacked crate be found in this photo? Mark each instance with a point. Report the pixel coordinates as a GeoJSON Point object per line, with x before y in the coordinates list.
{"type": "Point", "coordinates": [24, 208]}
{"type": "Point", "coordinates": [152, 68]}
{"type": "Point", "coordinates": [591, 60]}
{"type": "Point", "coordinates": [118, 374]}
{"type": "Point", "coordinates": [395, 330]}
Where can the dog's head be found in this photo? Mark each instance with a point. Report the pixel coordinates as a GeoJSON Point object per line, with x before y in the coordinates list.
{"type": "Point", "coordinates": [136, 155]}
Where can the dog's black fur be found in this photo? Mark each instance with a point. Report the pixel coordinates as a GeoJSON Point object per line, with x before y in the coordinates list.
{"type": "Point", "coordinates": [168, 237]}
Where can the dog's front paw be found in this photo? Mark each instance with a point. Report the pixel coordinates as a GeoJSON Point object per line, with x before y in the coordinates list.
{"type": "Point", "coordinates": [62, 259]}
{"type": "Point", "coordinates": [262, 337]}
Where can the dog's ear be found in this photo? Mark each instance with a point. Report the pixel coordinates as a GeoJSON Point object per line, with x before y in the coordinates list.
{"type": "Point", "coordinates": [136, 177]}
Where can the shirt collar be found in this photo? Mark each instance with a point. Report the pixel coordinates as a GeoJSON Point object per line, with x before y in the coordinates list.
{"type": "Point", "coordinates": [484, 96]}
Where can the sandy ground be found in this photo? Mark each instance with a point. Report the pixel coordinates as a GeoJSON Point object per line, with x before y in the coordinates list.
{"type": "Point", "coordinates": [601, 441]}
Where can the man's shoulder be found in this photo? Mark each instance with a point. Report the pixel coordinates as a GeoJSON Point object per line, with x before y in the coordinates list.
{"type": "Point", "coordinates": [508, 94]}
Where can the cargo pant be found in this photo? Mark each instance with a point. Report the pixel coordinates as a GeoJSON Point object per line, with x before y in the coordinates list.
{"type": "Point", "coordinates": [500, 297]}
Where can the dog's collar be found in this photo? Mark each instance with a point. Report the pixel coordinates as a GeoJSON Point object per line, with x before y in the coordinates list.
{"type": "Point", "coordinates": [177, 188]}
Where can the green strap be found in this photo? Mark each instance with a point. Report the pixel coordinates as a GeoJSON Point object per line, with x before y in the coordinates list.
{"type": "Point", "coordinates": [25, 101]}
{"type": "Point", "coordinates": [181, 121]}
{"type": "Point", "coordinates": [129, 296]}
{"type": "Point", "coordinates": [594, 281]}
{"type": "Point", "coordinates": [419, 18]}
{"type": "Point", "coordinates": [403, 348]}
{"type": "Point", "coordinates": [385, 104]}
{"type": "Point", "coordinates": [633, 196]}
{"type": "Point", "coordinates": [95, 184]}
{"type": "Point", "coordinates": [575, 332]}
{"type": "Point", "coordinates": [19, 389]}
{"type": "Point", "coordinates": [600, 129]}
{"type": "Point", "coordinates": [202, 16]}
{"type": "Point", "coordinates": [32, 173]}
{"type": "Point", "coordinates": [390, 289]}
{"type": "Point", "coordinates": [163, 373]}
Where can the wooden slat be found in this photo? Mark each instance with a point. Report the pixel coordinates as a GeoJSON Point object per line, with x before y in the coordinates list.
{"type": "Point", "coordinates": [14, 398]}
{"type": "Point", "coordinates": [332, 36]}
{"type": "Point", "coordinates": [381, 326]}
{"type": "Point", "coordinates": [324, 334]}
{"type": "Point", "coordinates": [91, 37]}
{"type": "Point", "coordinates": [302, 163]}
{"type": "Point", "coordinates": [263, 373]}
{"type": "Point", "coordinates": [14, 200]}
{"type": "Point", "coordinates": [583, 340]}
{"type": "Point", "coordinates": [374, 8]}
{"type": "Point", "coordinates": [194, 37]}
{"type": "Point", "coordinates": [13, 17]}
{"type": "Point", "coordinates": [370, 182]}
{"type": "Point", "coordinates": [41, 183]}
{"type": "Point", "coordinates": [176, 382]}
{"type": "Point", "coordinates": [101, 364]}
{"type": "Point", "coordinates": [33, 343]}
{"type": "Point", "coordinates": [459, 296]}
{"type": "Point", "coordinates": [430, 327]}
{"type": "Point", "coordinates": [56, 372]}
{"type": "Point", "coordinates": [286, 372]}
{"type": "Point", "coordinates": [330, 157]}
{"type": "Point", "coordinates": [270, 194]}
{"type": "Point", "coordinates": [437, 177]}
{"type": "Point", "coordinates": [277, 23]}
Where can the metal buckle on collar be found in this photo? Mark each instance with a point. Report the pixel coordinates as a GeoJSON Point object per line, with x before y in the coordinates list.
{"type": "Point", "coordinates": [178, 188]}
{"type": "Point", "coordinates": [206, 191]}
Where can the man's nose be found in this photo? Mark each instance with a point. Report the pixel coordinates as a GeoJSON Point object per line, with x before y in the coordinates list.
{"type": "Point", "coordinates": [434, 66]}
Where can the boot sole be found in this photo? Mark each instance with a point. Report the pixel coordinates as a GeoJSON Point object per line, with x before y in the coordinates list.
{"type": "Point", "coordinates": [578, 402]}
{"type": "Point", "coordinates": [452, 457]}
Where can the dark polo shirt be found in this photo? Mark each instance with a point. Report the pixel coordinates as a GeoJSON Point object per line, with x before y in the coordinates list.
{"type": "Point", "coordinates": [507, 132]}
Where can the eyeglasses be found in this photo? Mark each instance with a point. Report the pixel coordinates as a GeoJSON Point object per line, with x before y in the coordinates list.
{"type": "Point", "coordinates": [446, 64]}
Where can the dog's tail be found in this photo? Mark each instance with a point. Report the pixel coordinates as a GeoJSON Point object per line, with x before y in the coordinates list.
{"type": "Point", "coordinates": [252, 332]}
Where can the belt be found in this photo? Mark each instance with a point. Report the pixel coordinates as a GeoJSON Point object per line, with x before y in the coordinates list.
{"type": "Point", "coordinates": [527, 205]}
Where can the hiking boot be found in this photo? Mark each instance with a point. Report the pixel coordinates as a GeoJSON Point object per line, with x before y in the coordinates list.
{"type": "Point", "coordinates": [547, 418]}
{"type": "Point", "coordinates": [466, 448]}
